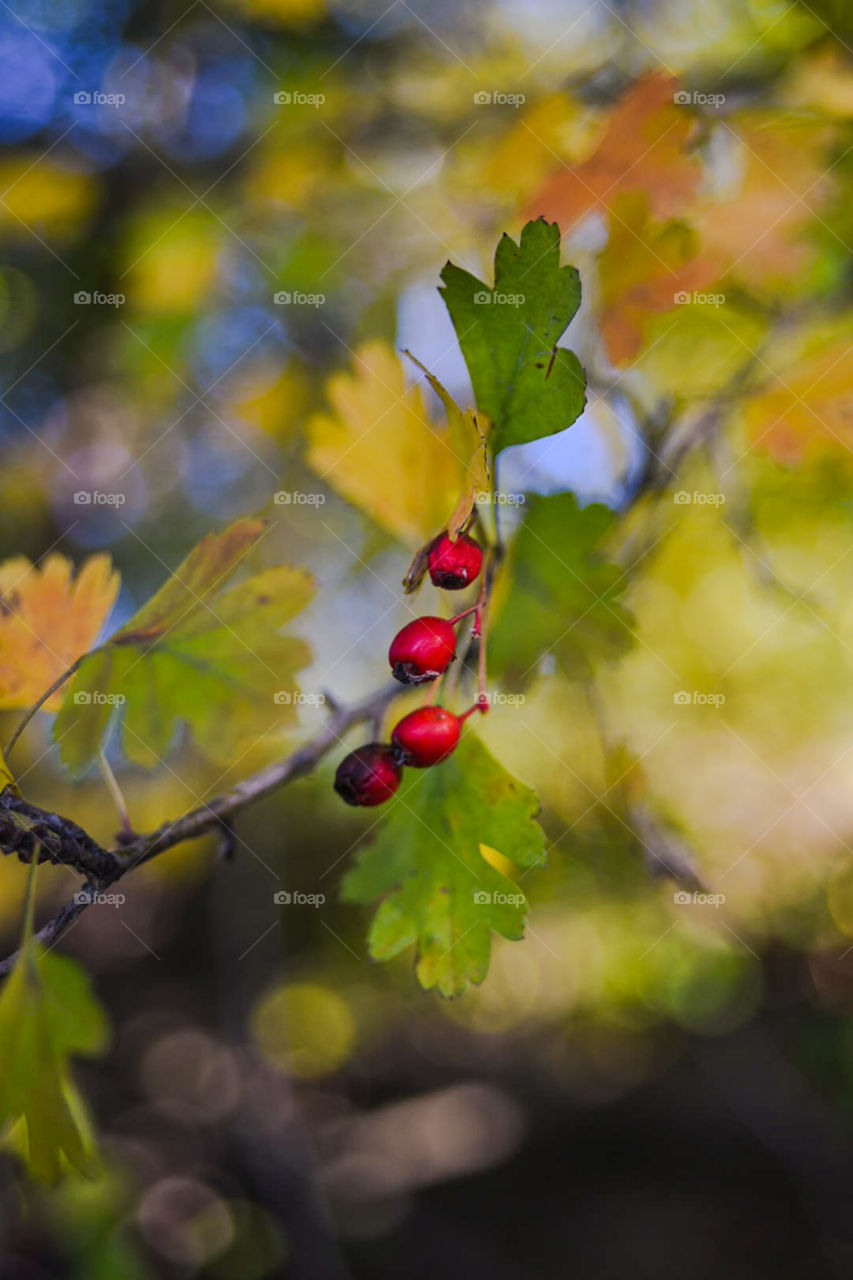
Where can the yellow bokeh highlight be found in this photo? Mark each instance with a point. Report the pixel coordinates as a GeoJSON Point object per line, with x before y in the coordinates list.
{"type": "Point", "coordinates": [43, 198]}
{"type": "Point", "coordinates": [304, 1029]}
{"type": "Point", "coordinates": [287, 13]}
{"type": "Point", "coordinates": [171, 262]}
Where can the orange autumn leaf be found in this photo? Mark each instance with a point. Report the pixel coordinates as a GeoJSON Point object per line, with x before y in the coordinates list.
{"type": "Point", "coordinates": [646, 268]}
{"type": "Point", "coordinates": [643, 149]}
{"type": "Point", "coordinates": [759, 226]}
{"type": "Point", "coordinates": [806, 408]}
{"type": "Point", "coordinates": [48, 619]}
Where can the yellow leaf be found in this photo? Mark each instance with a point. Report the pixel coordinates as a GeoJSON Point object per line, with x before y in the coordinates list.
{"type": "Point", "coordinates": [469, 438]}
{"type": "Point", "coordinates": [47, 621]}
{"type": "Point", "coordinates": [380, 450]}
{"type": "Point", "coordinates": [523, 157]}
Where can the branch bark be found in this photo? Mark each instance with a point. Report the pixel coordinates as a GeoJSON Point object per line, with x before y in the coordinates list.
{"type": "Point", "coordinates": [28, 831]}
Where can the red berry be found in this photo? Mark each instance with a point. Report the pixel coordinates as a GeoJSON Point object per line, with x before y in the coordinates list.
{"type": "Point", "coordinates": [370, 775]}
{"type": "Point", "coordinates": [454, 565]}
{"type": "Point", "coordinates": [426, 736]}
{"type": "Point", "coordinates": [422, 650]}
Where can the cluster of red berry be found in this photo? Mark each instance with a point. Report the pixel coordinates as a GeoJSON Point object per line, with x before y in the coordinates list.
{"type": "Point", "coordinates": [419, 653]}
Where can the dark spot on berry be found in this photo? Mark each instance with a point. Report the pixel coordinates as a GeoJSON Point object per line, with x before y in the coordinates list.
{"type": "Point", "coordinates": [346, 790]}
{"type": "Point", "coordinates": [406, 673]}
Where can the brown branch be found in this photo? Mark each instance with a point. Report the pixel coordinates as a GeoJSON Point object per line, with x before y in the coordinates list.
{"type": "Point", "coordinates": [28, 831]}
{"type": "Point", "coordinates": [664, 852]}
{"type": "Point", "coordinates": [24, 826]}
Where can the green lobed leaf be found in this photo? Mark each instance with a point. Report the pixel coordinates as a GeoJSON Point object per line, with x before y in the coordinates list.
{"type": "Point", "coordinates": [47, 1013]}
{"type": "Point", "coordinates": [527, 385]}
{"type": "Point", "coordinates": [211, 658]}
{"type": "Point", "coordinates": [438, 891]}
{"type": "Point", "coordinates": [564, 594]}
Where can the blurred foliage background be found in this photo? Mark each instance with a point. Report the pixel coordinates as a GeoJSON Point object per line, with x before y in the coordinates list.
{"type": "Point", "coordinates": [207, 211]}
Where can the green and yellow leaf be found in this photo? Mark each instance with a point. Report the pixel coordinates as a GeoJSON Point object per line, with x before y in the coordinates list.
{"type": "Point", "coordinates": [196, 653]}
{"type": "Point", "coordinates": [427, 864]}
{"type": "Point", "coordinates": [47, 1013]}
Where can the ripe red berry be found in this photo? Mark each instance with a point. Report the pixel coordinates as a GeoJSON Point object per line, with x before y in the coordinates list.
{"type": "Point", "coordinates": [453, 565]}
{"type": "Point", "coordinates": [370, 775]}
{"type": "Point", "coordinates": [422, 650]}
{"type": "Point", "coordinates": [427, 735]}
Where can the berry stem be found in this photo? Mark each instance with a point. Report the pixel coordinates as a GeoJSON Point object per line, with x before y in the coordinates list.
{"type": "Point", "coordinates": [464, 614]}
{"type": "Point", "coordinates": [479, 631]}
{"type": "Point", "coordinates": [479, 705]}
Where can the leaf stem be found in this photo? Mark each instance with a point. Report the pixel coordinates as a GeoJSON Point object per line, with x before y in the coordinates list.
{"type": "Point", "coordinates": [26, 951]}
{"type": "Point", "coordinates": [116, 792]}
{"type": "Point", "coordinates": [48, 693]}
{"type": "Point", "coordinates": [29, 901]}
